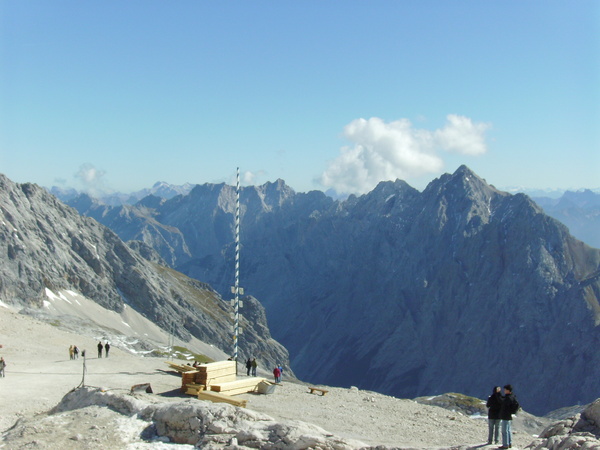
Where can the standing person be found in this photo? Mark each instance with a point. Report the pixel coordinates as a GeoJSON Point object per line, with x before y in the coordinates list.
{"type": "Point", "coordinates": [2, 366]}
{"type": "Point", "coordinates": [106, 349]}
{"type": "Point", "coordinates": [494, 402]}
{"type": "Point", "coordinates": [254, 366]}
{"type": "Point", "coordinates": [71, 352]}
{"type": "Point", "coordinates": [248, 366]}
{"type": "Point", "coordinates": [277, 374]}
{"type": "Point", "coordinates": [100, 346]}
{"type": "Point", "coordinates": [509, 406]}
{"type": "Point", "coordinates": [75, 352]}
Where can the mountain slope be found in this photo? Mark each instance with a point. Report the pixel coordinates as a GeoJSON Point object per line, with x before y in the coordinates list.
{"type": "Point", "coordinates": [48, 246]}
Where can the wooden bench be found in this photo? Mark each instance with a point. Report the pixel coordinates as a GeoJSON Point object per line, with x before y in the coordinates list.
{"type": "Point", "coordinates": [314, 389]}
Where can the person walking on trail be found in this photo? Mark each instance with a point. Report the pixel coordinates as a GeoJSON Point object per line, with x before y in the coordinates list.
{"type": "Point", "coordinates": [248, 366]}
{"type": "Point", "coordinates": [494, 402]}
{"type": "Point", "coordinates": [254, 366]}
{"type": "Point", "coordinates": [277, 374]}
{"type": "Point", "coordinates": [2, 367]}
{"type": "Point", "coordinates": [75, 352]}
{"type": "Point", "coordinates": [71, 352]}
{"type": "Point", "coordinates": [106, 349]}
{"type": "Point", "coordinates": [100, 346]}
{"type": "Point", "coordinates": [509, 406]}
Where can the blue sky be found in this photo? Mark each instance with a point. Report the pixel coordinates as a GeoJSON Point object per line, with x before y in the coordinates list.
{"type": "Point", "coordinates": [115, 96]}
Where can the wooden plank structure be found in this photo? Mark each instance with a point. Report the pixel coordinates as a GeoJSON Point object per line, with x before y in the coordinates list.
{"type": "Point", "coordinates": [193, 388]}
{"type": "Point", "coordinates": [217, 382]}
{"type": "Point", "coordinates": [217, 397]}
{"type": "Point", "coordinates": [240, 386]}
{"type": "Point", "coordinates": [216, 372]}
{"type": "Point", "coordinates": [209, 374]}
{"type": "Point", "coordinates": [181, 368]}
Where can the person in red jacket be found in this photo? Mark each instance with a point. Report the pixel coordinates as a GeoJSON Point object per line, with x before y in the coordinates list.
{"type": "Point", "coordinates": [277, 374]}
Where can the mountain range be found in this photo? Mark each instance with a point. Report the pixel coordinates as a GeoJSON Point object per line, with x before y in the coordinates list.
{"type": "Point", "coordinates": [52, 252]}
{"type": "Point", "coordinates": [456, 288]}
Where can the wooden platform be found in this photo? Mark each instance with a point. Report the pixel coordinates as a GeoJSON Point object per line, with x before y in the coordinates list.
{"type": "Point", "coordinates": [181, 368]}
{"type": "Point", "coordinates": [217, 372]}
{"type": "Point", "coordinates": [209, 367]}
{"type": "Point", "coordinates": [217, 397]}
{"type": "Point", "coordinates": [208, 374]}
{"type": "Point", "coordinates": [240, 386]}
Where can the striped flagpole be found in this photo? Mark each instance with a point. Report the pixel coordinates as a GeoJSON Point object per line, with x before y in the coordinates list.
{"type": "Point", "coordinates": [236, 287]}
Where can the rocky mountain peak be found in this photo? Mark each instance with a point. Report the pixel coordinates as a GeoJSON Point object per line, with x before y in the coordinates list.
{"type": "Point", "coordinates": [274, 194]}
{"type": "Point", "coordinates": [468, 197]}
{"type": "Point", "coordinates": [151, 201]}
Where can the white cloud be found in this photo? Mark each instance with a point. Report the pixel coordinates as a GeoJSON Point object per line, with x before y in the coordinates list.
{"type": "Point", "coordinates": [462, 136]}
{"type": "Point", "coordinates": [91, 178]}
{"type": "Point", "coordinates": [250, 178]}
{"type": "Point", "coordinates": [386, 151]}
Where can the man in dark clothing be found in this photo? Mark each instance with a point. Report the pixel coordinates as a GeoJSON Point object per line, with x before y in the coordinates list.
{"type": "Point", "coordinates": [494, 403]}
{"type": "Point", "coordinates": [509, 406]}
{"type": "Point", "coordinates": [106, 349]}
{"type": "Point", "coordinates": [248, 366]}
{"type": "Point", "coordinates": [100, 346]}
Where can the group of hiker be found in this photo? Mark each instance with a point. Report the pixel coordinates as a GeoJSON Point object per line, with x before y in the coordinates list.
{"type": "Point", "coordinates": [74, 351]}
{"type": "Point", "coordinates": [500, 411]}
{"type": "Point", "coordinates": [251, 366]}
{"type": "Point", "coordinates": [106, 349]}
{"type": "Point", "coordinates": [277, 372]}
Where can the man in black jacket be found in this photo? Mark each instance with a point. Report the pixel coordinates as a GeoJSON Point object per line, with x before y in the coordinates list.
{"type": "Point", "coordinates": [509, 406]}
{"type": "Point", "coordinates": [494, 403]}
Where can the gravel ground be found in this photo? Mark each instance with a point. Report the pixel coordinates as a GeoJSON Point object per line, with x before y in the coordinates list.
{"type": "Point", "coordinates": [40, 373]}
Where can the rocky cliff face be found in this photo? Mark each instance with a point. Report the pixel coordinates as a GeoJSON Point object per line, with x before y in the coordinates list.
{"type": "Point", "coordinates": [457, 288]}
{"type": "Point", "coordinates": [46, 244]}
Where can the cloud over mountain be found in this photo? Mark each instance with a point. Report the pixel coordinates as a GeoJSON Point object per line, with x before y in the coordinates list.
{"type": "Point", "coordinates": [92, 179]}
{"type": "Point", "coordinates": [390, 150]}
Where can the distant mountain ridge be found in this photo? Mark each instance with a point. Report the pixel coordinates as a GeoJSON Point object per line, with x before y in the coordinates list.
{"type": "Point", "coordinates": [160, 189]}
{"type": "Point", "coordinates": [580, 211]}
{"type": "Point", "coordinates": [453, 289]}
{"type": "Point", "coordinates": [48, 245]}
